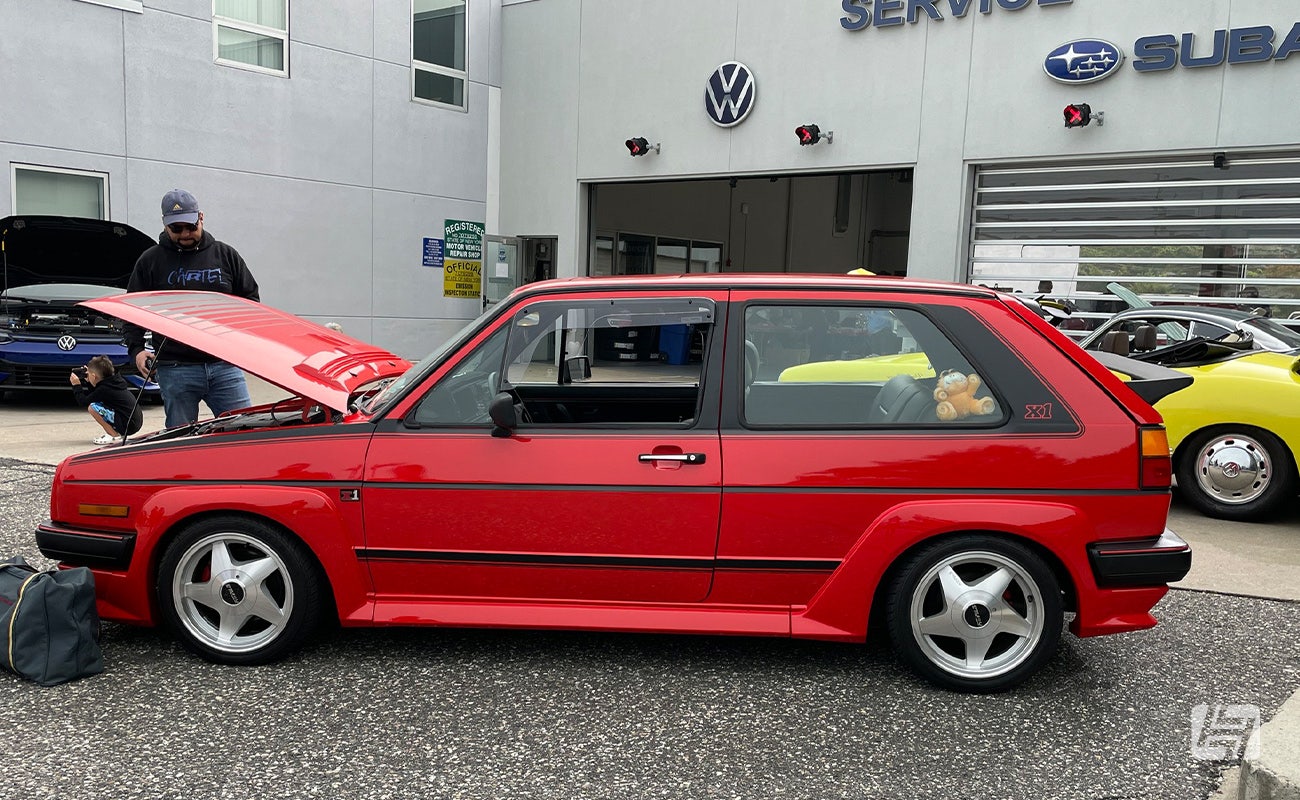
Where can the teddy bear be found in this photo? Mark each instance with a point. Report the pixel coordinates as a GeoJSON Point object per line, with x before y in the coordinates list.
{"type": "Point", "coordinates": [955, 394]}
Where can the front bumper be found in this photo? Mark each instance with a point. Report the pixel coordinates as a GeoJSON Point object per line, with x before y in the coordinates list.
{"type": "Point", "coordinates": [85, 548]}
{"type": "Point", "coordinates": [1141, 562]}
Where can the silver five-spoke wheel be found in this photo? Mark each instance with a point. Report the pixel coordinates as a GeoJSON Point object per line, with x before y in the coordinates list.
{"type": "Point", "coordinates": [238, 591]}
{"type": "Point", "coordinates": [975, 613]}
{"type": "Point", "coordinates": [232, 592]}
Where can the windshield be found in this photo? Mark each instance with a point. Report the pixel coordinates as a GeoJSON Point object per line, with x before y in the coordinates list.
{"type": "Point", "coordinates": [426, 365]}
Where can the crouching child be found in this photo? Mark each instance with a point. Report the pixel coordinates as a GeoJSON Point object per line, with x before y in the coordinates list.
{"type": "Point", "coordinates": [99, 388]}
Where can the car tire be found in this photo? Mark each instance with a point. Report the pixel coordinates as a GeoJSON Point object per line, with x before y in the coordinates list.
{"type": "Point", "coordinates": [1240, 473]}
{"type": "Point", "coordinates": [975, 613]}
{"type": "Point", "coordinates": [262, 602]}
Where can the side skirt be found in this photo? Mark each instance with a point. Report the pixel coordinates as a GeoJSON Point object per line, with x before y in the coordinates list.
{"type": "Point", "coordinates": [647, 618]}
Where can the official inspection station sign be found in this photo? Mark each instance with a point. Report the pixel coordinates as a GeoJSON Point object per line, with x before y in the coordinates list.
{"type": "Point", "coordinates": [463, 259]}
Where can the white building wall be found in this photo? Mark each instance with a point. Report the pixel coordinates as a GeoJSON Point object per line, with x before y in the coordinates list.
{"type": "Point", "coordinates": [941, 96]}
{"type": "Point", "coordinates": [326, 181]}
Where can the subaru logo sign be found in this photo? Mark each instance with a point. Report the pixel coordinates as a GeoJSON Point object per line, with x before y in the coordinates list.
{"type": "Point", "coordinates": [729, 94]}
{"type": "Point", "coordinates": [1083, 61]}
{"type": "Point", "coordinates": [67, 343]}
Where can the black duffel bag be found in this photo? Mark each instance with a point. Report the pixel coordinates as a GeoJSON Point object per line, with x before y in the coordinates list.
{"type": "Point", "coordinates": [48, 623]}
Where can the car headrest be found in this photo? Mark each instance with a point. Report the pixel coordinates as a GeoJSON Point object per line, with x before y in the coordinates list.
{"type": "Point", "coordinates": [751, 362]}
{"type": "Point", "coordinates": [1115, 342]}
{"type": "Point", "coordinates": [1144, 338]}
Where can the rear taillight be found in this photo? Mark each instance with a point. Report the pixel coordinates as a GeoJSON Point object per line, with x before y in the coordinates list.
{"type": "Point", "coordinates": [1156, 465]}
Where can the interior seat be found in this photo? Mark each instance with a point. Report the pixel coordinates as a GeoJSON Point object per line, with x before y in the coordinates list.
{"type": "Point", "coordinates": [1115, 342]}
{"type": "Point", "coordinates": [902, 400]}
{"type": "Point", "coordinates": [1144, 339]}
{"type": "Point", "coordinates": [751, 362]}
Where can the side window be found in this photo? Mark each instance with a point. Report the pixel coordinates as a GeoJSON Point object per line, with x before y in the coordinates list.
{"type": "Point", "coordinates": [834, 366]}
{"type": "Point", "coordinates": [617, 363]}
{"type": "Point", "coordinates": [1208, 330]}
{"type": "Point", "coordinates": [1169, 331]}
{"type": "Point", "coordinates": [462, 396]}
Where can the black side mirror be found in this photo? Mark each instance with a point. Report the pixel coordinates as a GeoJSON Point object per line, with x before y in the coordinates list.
{"type": "Point", "coordinates": [502, 413]}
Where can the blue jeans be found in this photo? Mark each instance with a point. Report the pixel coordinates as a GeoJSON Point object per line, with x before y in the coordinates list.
{"type": "Point", "coordinates": [218, 384]}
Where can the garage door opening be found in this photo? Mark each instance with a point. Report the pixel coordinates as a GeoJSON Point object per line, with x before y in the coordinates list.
{"type": "Point", "coordinates": [779, 223]}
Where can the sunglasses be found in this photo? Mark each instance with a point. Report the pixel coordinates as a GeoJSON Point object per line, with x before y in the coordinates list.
{"type": "Point", "coordinates": [182, 227]}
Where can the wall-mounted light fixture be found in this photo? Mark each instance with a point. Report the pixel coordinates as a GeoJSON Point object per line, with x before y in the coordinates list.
{"type": "Point", "coordinates": [1080, 115]}
{"type": "Point", "coordinates": [639, 146]}
{"type": "Point", "coordinates": [1220, 160]}
{"type": "Point", "coordinates": [812, 134]}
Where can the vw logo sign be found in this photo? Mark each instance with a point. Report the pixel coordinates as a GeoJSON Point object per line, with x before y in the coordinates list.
{"type": "Point", "coordinates": [67, 343]}
{"type": "Point", "coordinates": [729, 94]}
{"type": "Point", "coordinates": [1083, 61]}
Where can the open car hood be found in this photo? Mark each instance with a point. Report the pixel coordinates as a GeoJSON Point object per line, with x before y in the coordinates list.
{"type": "Point", "coordinates": [301, 357]}
{"type": "Point", "coordinates": [68, 250]}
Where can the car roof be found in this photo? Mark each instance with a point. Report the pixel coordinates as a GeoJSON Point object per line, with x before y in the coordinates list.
{"type": "Point", "coordinates": [757, 280]}
{"type": "Point", "coordinates": [1191, 312]}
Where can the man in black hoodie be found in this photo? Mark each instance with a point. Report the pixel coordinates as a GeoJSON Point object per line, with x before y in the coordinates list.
{"type": "Point", "coordinates": [187, 257]}
{"type": "Point", "coordinates": [106, 396]}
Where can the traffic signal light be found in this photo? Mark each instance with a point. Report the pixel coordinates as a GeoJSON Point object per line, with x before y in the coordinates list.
{"type": "Point", "coordinates": [638, 146]}
{"type": "Point", "coordinates": [1078, 115]}
{"type": "Point", "coordinates": [808, 134]}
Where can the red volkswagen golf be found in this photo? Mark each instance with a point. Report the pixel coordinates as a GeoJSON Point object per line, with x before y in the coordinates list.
{"type": "Point", "coordinates": [773, 455]}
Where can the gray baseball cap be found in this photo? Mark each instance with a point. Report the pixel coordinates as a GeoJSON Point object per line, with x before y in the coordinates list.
{"type": "Point", "coordinates": [179, 205]}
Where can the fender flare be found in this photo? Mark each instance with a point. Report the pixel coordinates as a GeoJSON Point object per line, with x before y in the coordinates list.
{"type": "Point", "coordinates": [839, 610]}
{"type": "Point", "coordinates": [307, 513]}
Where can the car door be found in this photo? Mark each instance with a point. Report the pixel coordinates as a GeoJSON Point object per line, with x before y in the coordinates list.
{"type": "Point", "coordinates": [609, 489]}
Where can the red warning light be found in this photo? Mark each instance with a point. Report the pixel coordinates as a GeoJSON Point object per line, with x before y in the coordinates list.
{"type": "Point", "coordinates": [808, 134]}
{"type": "Point", "coordinates": [1078, 115]}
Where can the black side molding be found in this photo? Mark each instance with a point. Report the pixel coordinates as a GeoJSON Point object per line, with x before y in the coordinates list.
{"type": "Point", "coordinates": [86, 548]}
{"type": "Point", "coordinates": [1140, 562]}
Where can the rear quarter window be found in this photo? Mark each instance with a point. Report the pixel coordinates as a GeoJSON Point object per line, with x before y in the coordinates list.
{"type": "Point", "coordinates": [890, 366]}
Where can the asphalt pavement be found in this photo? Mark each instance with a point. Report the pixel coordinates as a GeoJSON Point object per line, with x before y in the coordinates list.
{"type": "Point", "coordinates": [399, 713]}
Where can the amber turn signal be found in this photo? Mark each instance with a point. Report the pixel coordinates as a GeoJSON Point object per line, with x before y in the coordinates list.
{"type": "Point", "coordinates": [100, 510]}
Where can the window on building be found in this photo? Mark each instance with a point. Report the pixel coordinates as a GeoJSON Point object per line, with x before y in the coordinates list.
{"type": "Point", "coordinates": [637, 254]}
{"type": "Point", "coordinates": [438, 51]}
{"type": "Point", "coordinates": [253, 34]}
{"type": "Point", "coordinates": [60, 192]}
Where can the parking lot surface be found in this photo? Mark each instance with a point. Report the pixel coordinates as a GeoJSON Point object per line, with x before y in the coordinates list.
{"type": "Point", "coordinates": [493, 714]}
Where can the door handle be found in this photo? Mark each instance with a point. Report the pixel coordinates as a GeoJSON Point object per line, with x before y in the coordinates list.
{"type": "Point", "coordinates": [683, 458]}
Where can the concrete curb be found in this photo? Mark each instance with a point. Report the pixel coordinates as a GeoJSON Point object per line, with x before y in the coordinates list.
{"type": "Point", "coordinates": [1275, 773]}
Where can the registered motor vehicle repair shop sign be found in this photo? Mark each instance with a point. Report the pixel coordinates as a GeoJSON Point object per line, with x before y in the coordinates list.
{"type": "Point", "coordinates": [462, 274]}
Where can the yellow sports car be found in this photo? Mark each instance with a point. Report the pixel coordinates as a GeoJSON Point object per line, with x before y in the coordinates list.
{"type": "Point", "coordinates": [1235, 431]}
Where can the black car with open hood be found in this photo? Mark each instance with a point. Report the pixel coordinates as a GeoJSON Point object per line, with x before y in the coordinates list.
{"type": "Point", "coordinates": [47, 265]}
